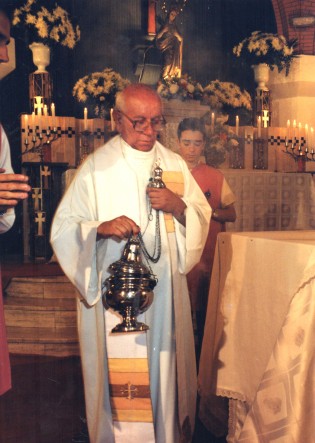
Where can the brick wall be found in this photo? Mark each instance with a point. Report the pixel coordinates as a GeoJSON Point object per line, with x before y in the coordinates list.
{"type": "Point", "coordinates": [285, 10]}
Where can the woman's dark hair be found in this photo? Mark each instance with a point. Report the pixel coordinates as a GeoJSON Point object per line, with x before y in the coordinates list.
{"type": "Point", "coordinates": [191, 124]}
{"type": "Point", "coordinates": [5, 8]}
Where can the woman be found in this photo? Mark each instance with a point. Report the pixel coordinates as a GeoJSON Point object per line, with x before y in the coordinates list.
{"type": "Point", "coordinates": [191, 134]}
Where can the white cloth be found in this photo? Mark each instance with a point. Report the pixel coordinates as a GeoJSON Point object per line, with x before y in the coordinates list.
{"type": "Point", "coordinates": [106, 186]}
{"type": "Point", "coordinates": [7, 219]}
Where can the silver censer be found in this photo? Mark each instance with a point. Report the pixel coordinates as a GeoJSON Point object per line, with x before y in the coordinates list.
{"type": "Point", "coordinates": [129, 290]}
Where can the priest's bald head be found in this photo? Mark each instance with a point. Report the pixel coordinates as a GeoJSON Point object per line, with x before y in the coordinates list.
{"type": "Point", "coordinates": [138, 116]}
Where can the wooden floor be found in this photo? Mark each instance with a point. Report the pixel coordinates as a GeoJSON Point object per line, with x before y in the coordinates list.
{"type": "Point", "coordinates": [46, 403]}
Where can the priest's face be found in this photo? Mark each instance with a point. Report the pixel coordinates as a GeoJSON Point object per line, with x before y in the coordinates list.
{"type": "Point", "coordinates": [138, 120]}
{"type": "Point", "coordinates": [4, 37]}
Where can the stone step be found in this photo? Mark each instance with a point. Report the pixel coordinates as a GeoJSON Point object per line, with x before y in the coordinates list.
{"type": "Point", "coordinates": [40, 316]}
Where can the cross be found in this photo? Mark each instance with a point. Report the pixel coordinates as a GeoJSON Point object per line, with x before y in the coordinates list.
{"type": "Point", "coordinates": [37, 197]}
{"type": "Point", "coordinates": [130, 390]}
{"type": "Point", "coordinates": [45, 172]}
{"type": "Point", "coordinates": [40, 218]}
{"type": "Point", "coordinates": [265, 118]}
{"type": "Point", "coordinates": [38, 105]}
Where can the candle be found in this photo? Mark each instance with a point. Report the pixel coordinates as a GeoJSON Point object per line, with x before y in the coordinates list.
{"type": "Point", "coordinates": [45, 111]}
{"type": "Point", "coordinates": [26, 124]}
{"type": "Point", "coordinates": [306, 135]}
{"type": "Point", "coordinates": [39, 120]}
{"type": "Point", "coordinates": [112, 121]}
{"type": "Point", "coordinates": [299, 132]}
{"type": "Point", "coordinates": [237, 123]}
{"type": "Point", "coordinates": [259, 127]}
{"type": "Point", "coordinates": [33, 124]}
{"type": "Point", "coordinates": [294, 128]}
{"type": "Point", "coordinates": [53, 115]}
{"type": "Point", "coordinates": [288, 130]}
{"type": "Point", "coordinates": [85, 112]}
{"type": "Point", "coordinates": [312, 139]}
{"type": "Point", "coordinates": [212, 120]}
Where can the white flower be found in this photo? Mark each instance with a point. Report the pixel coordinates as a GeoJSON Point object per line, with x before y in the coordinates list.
{"type": "Point", "coordinates": [174, 89]}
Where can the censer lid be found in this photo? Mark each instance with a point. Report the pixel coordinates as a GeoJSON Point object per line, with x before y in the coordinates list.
{"type": "Point", "coordinates": [130, 261]}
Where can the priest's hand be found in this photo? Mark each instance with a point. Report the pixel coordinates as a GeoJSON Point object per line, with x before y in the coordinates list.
{"type": "Point", "coordinates": [120, 227]}
{"type": "Point", "coordinates": [13, 189]}
{"type": "Point", "coordinates": [165, 200]}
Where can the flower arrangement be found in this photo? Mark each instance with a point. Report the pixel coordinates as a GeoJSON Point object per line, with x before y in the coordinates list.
{"type": "Point", "coordinates": [99, 90]}
{"type": "Point", "coordinates": [48, 27]}
{"type": "Point", "coordinates": [272, 49]}
{"type": "Point", "coordinates": [223, 95]}
{"type": "Point", "coordinates": [183, 88]}
{"type": "Point", "coordinates": [220, 140]}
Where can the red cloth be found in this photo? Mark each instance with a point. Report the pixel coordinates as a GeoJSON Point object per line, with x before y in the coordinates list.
{"type": "Point", "coordinates": [5, 370]}
{"type": "Point", "coordinates": [210, 181]}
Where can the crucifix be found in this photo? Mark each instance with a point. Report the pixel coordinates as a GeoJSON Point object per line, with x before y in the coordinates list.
{"type": "Point", "coordinates": [130, 390]}
{"type": "Point", "coordinates": [44, 174]}
{"type": "Point", "coordinates": [38, 105]}
{"type": "Point", "coordinates": [265, 118]}
{"type": "Point", "coordinates": [40, 218]}
{"type": "Point", "coordinates": [37, 197]}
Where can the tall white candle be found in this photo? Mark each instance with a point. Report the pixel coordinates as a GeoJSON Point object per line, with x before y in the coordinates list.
{"type": "Point", "coordinates": [53, 115]}
{"type": "Point", "coordinates": [33, 124]}
{"type": "Point", "coordinates": [288, 130]}
{"type": "Point", "coordinates": [294, 128]}
{"type": "Point", "coordinates": [312, 138]}
{"type": "Point", "coordinates": [237, 124]}
{"type": "Point", "coordinates": [259, 127]}
{"type": "Point", "coordinates": [212, 120]}
{"type": "Point", "coordinates": [112, 121]}
{"type": "Point", "coordinates": [85, 113]}
{"type": "Point", "coordinates": [306, 135]}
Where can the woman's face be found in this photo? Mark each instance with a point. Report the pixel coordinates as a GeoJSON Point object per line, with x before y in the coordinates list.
{"type": "Point", "coordinates": [173, 15]}
{"type": "Point", "coordinates": [191, 145]}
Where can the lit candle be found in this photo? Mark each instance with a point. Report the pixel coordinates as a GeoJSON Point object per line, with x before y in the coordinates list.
{"type": "Point", "coordinates": [45, 111]}
{"type": "Point", "coordinates": [33, 124]}
{"type": "Point", "coordinates": [112, 121]}
{"type": "Point", "coordinates": [212, 120]}
{"type": "Point", "coordinates": [53, 115]}
{"type": "Point", "coordinates": [288, 130]}
{"type": "Point", "coordinates": [306, 135]}
{"type": "Point", "coordinates": [299, 132]}
{"type": "Point", "coordinates": [237, 123]}
{"type": "Point", "coordinates": [294, 129]}
{"type": "Point", "coordinates": [39, 119]}
{"type": "Point", "coordinates": [259, 127]}
{"type": "Point", "coordinates": [85, 112]}
{"type": "Point", "coordinates": [312, 139]}
{"type": "Point", "coordinates": [26, 124]}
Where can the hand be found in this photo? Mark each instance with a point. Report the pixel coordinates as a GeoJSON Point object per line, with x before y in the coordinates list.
{"type": "Point", "coordinates": [165, 200]}
{"type": "Point", "coordinates": [120, 227]}
{"type": "Point", "coordinates": [13, 189]}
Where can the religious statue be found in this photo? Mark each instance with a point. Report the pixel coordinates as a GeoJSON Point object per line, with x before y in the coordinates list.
{"type": "Point", "coordinates": [170, 42]}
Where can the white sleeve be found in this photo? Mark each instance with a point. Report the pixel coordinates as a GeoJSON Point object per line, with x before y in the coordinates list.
{"type": "Point", "coordinates": [7, 219]}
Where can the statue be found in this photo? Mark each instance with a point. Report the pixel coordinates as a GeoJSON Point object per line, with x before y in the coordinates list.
{"type": "Point", "coordinates": [170, 42]}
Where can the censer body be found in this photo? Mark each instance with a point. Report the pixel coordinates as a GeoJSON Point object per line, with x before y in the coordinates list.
{"type": "Point", "coordinates": [129, 290]}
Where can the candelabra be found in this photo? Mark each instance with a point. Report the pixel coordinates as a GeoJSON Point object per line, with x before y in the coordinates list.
{"type": "Point", "coordinates": [40, 142]}
{"type": "Point", "coordinates": [294, 148]}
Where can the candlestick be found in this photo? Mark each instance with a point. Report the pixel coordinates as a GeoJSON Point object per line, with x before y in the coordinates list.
{"type": "Point", "coordinates": [259, 127]}
{"type": "Point", "coordinates": [112, 121]}
{"type": "Point", "coordinates": [85, 112]}
{"type": "Point", "coordinates": [237, 123]}
{"type": "Point", "coordinates": [33, 124]}
{"type": "Point", "coordinates": [288, 130]}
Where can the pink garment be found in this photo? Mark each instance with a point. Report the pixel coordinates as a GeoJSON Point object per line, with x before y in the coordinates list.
{"type": "Point", "coordinates": [210, 181]}
{"type": "Point", "coordinates": [5, 371]}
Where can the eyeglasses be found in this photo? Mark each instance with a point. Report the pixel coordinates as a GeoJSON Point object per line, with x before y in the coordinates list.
{"type": "Point", "coordinates": [141, 124]}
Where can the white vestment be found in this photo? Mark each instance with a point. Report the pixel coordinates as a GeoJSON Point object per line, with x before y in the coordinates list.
{"type": "Point", "coordinates": [110, 183]}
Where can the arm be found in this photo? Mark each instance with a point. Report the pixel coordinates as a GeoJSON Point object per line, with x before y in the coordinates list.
{"type": "Point", "coordinates": [227, 214]}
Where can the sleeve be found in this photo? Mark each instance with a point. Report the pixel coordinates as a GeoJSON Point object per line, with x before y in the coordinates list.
{"type": "Point", "coordinates": [74, 232]}
{"type": "Point", "coordinates": [227, 195]}
{"type": "Point", "coordinates": [8, 218]}
{"type": "Point", "coordinates": [193, 236]}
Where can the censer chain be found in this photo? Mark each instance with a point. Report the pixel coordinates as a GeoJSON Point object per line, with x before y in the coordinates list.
{"type": "Point", "coordinates": [154, 258]}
